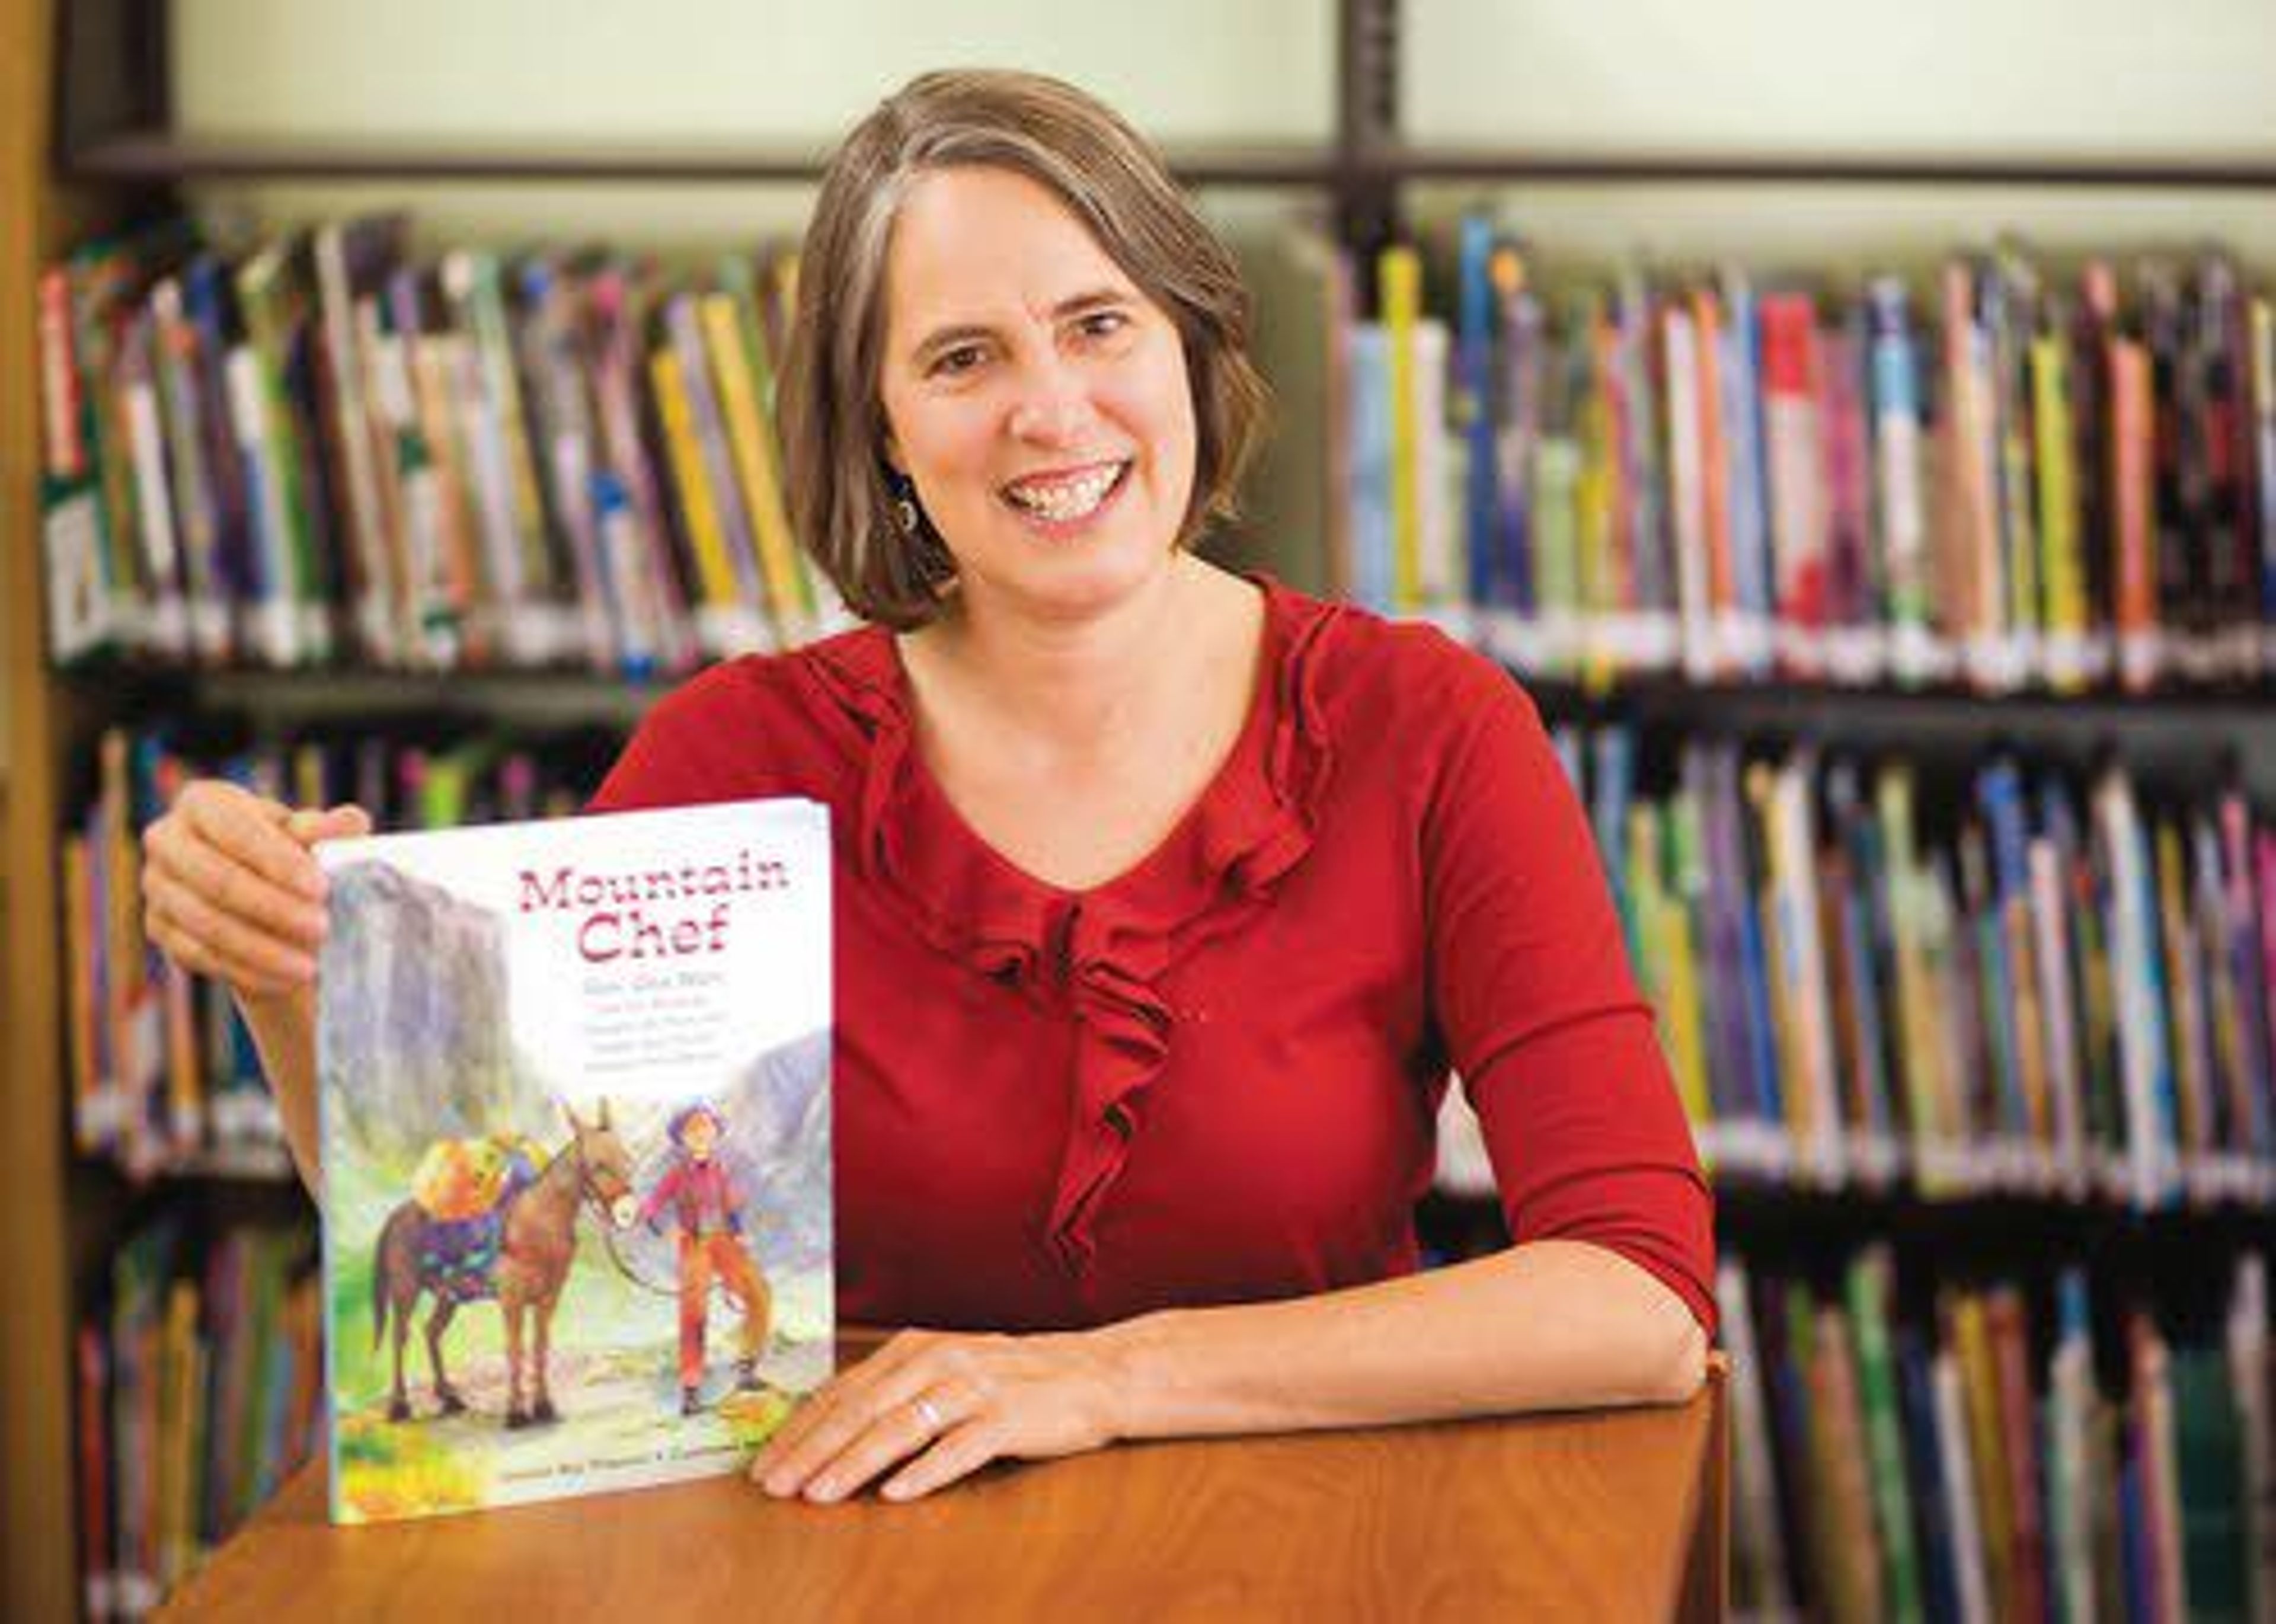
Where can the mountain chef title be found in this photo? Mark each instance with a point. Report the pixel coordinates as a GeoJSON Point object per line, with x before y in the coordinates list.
{"type": "Point", "coordinates": [659, 913]}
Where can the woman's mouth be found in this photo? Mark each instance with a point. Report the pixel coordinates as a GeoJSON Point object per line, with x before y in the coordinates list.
{"type": "Point", "coordinates": [1067, 498]}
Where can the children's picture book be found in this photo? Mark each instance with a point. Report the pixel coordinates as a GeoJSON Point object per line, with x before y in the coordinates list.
{"type": "Point", "coordinates": [574, 1096]}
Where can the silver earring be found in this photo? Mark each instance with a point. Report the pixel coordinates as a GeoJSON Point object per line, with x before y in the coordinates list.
{"type": "Point", "coordinates": [905, 512]}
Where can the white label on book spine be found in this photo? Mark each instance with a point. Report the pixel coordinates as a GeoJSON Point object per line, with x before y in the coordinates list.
{"type": "Point", "coordinates": [82, 616]}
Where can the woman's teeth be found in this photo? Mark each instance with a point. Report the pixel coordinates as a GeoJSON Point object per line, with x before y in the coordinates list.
{"type": "Point", "coordinates": [1066, 499]}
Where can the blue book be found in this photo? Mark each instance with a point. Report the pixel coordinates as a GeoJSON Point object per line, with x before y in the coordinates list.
{"type": "Point", "coordinates": [1473, 408]}
{"type": "Point", "coordinates": [1999, 793]}
{"type": "Point", "coordinates": [2136, 1535]}
{"type": "Point", "coordinates": [1748, 470]}
{"type": "Point", "coordinates": [1522, 364]}
{"type": "Point", "coordinates": [623, 578]}
{"type": "Point", "coordinates": [1753, 951]}
{"type": "Point", "coordinates": [1369, 355]}
{"type": "Point", "coordinates": [1612, 787]}
{"type": "Point", "coordinates": [1867, 941]}
{"type": "Point", "coordinates": [1933, 1534]}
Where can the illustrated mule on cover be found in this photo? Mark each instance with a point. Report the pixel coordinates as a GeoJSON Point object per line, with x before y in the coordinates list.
{"type": "Point", "coordinates": [520, 1252]}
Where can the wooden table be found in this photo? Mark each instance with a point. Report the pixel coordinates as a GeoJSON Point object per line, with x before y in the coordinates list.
{"type": "Point", "coordinates": [1597, 1517]}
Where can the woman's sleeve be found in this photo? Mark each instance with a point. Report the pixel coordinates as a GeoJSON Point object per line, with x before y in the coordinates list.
{"type": "Point", "coordinates": [1540, 1012]}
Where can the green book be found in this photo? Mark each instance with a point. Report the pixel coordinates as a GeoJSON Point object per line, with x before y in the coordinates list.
{"type": "Point", "coordinates": [1869, 1290]}
{"type": "Point", "coordinates": [2210, 1464]}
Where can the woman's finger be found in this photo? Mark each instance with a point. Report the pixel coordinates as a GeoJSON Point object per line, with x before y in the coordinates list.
{"type": "Point", "coordinates": [955, 1456]}
{"type": "Point", "coordinates": [895, 1434]}
{"type": "Point", "coordinates": [347, 822]}
{"type": "Point", "coordinates": [215, 874]}
{"type": "Point", "coordinates": [832, 1429]}
{"type": "Point", "coordinates": [244, 947]}
{"type": "Point", "coordinates": [251, 832]}
{"type": "Point", "coordinates": [833, 1426]}
{"type": "Point", "coordinates": [197, 956]}
{"type": "Point", "coordinates": [828, 1404]}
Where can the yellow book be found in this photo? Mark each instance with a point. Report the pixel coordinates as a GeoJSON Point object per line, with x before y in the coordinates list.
{"type": "Point", "coordinates": [1915, 1054]}
{"type": "Point", "coordinates": [714, 571]}
{"type": "Point", "coordinates": [182, 1372]}
{"type": "Point", "coordinates": [750, 441]}
{"type": "Point", "coordinates": [1679, 1017]}
{"type": "Point", "coordinates": [1970, 1336]}
{"type": "Point", "coordinates": [2062, 569]}
{"type": "Point", "coordinates": [1656, 842]}
{"type": "Point", "coordinates": [308, 775]}
{"type": "Point", "coordinates": [1600, 579]}
{"type": "Point", "coordinates": [88, 1129]}
{"type": "Point", "coordinates": [1399, 285]}
{"type": "Point", "coordinates": [135, 1009]}
{"type": "Point", "coordinates": [1645, 896]}
{"type": "Point", "coordinates": [2192, 1090]}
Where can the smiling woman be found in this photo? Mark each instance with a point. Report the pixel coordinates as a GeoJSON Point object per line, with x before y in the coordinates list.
{"type": "Point", "coordinates": [1035, 398]}
{"type": "Point", "coordinates": [971, 215]}
{"type": "Point", "coordinates": [1165, 899]}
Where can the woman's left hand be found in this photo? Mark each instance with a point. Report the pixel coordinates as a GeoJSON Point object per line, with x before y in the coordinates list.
{"type": "Point", "coordinates": [946, 1405]}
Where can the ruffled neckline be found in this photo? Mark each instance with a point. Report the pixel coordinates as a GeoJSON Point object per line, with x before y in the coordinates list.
{"type": "Point", "coordinates": [1102, 950]}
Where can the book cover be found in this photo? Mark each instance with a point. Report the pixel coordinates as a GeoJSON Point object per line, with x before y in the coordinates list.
{"type": "Point", "coordinates": [574, 1104]}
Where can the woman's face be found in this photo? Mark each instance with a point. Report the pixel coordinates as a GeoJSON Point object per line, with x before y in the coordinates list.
{"type": "Point", "coordinates": [1035, 398]}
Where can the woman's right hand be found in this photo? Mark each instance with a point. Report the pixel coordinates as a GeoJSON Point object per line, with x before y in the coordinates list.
{"type": "Point", "coordinates": [232, 890]}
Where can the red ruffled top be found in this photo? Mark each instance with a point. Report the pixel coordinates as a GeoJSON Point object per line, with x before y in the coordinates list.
{"type": "Point", "coordinates": [1213, 1078]}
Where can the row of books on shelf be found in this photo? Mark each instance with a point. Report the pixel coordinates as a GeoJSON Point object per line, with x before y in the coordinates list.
{"type": "Point", "coordinates": [1999, 477]}
{"type": "Point", "coordinates": [323, 447]}
{"type": "Point", "coordinates": [199, 1385]}
{"type": "Point", "coordinates": [1969, 1464]}
{"type": "Point", "coordinates": [2023, 982]}
{"type": "Point", "coordinates": [163, 1075]}
{"type": "Point", "coordinates": [2030, 985]}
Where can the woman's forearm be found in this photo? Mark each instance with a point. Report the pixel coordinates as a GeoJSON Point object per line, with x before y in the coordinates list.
{"type": "Point", "coordinates": [1552, 1324]}
{"type": "Point", "coordinates": [284, 1030]}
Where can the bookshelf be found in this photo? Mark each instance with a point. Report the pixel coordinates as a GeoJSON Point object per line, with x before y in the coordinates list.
{"type": "Point", "coordinates": [91, 136]}
{"type": "Point", "coordinates": [39, 217]}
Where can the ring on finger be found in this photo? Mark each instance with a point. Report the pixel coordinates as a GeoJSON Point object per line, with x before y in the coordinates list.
{"type": "Point", "coordinates": [928, 1413]}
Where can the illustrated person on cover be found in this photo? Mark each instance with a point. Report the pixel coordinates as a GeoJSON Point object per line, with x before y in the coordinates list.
{"type": "Point", "coordinates": [704, 1203]}
{"type": "Point", "coordinates": [1166, 900]}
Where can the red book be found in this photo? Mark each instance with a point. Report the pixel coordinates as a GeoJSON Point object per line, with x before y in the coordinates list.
{"type": "Point", "coordinates": [1794, 438]}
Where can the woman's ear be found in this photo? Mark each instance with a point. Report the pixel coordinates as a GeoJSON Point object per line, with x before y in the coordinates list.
{"type": "Point", "coordinates": [890, 448]}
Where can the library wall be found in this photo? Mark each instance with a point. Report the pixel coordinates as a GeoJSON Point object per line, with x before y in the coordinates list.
{"type": "Point", "coordinates": [696, 71]}
{"type": "Point", "coordinates": [1941, 76]}
{"type": "Point", "coordinates": [2018, 77]}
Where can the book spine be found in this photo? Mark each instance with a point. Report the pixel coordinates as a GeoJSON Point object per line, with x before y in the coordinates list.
{"type": "Point", "coordinates": [1399, 290]}
{"type": "Point", "coordinates": [2062, 571]}
{"type": "Point", "coordinates": [1470, 412]}
{"type": "Point", "coordinates": [776, 579]}
{"type": "Point", "coordinates": [1794, 433]}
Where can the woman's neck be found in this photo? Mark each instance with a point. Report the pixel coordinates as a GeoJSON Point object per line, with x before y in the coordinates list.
{"type": "Point", "coordinates": [1070, 687]}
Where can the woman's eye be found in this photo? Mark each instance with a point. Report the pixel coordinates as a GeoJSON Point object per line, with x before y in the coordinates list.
{"type": "Point", "coordinates": [1103, 324]}
{"type": "Point", "coordinates": [962, 359]}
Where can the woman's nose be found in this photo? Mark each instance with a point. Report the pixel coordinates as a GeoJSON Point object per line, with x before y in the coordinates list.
{"type": "Point", "coordinates": [1053, 407]}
